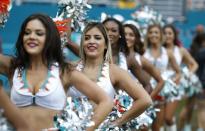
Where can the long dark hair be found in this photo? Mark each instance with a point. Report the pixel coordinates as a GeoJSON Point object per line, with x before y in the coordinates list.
{"type": "Point", "coordinates": [52, 51]}
{"type": "Point", "coordinates": [122, 41]}
{"type": "Point", "coordinates": [139, 45]}
{"type": "Point", "coordinates": [176, 39]}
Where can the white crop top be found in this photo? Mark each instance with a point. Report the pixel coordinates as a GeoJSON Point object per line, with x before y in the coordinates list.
{"type": "Point", "coordinates": [122, 63]}
{"type": "Point", "coordinates": [103, 81]}
{"type": "Point", "coordinates": [50, 95]}
{"type": "Point", "coordinates": [138, 58]}
{"type": "Point", "coordinates": [161, 62]}
{"type": "Point", "coordinates": [177, 55]}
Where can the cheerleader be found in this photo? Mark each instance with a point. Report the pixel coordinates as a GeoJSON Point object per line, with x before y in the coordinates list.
{"type": "Point", "coordinates": [160, 58]}
{"type": "Point", "coordinates": [182, 56]}
{"type": "Point", "coordinates": [96, 64]}
{"type": "Point", "coordinates": [136, 48]}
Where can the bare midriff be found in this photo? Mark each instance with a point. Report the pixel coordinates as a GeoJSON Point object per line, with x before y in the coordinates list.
{"type": "Point", "coordinates": [38, 117]}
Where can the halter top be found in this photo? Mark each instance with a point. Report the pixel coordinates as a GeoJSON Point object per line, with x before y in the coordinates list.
{"type": "Point", "coordinates": [160, 62]}
{"type": "Point", "coordinates": [177, 55]}
{"type": "Point", "coordinates": [50, 95]}
{"type": "Point", "coordinates": [103, 81]}
{"type": "Point", "coordinates": [138, 58]}
{"type": "Point", "coordinates": [122, 63]}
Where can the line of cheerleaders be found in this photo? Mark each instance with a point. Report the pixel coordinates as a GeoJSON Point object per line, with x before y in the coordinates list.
{"type": "Point", "coordinates": [161, 64]}
{"type": "Point", "coordinates": [119, 83]}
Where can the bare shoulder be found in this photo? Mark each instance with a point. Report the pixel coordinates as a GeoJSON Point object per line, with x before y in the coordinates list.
{"type": "Point", "coordinates": [184, 51]}
{"type": "Point", "coordinates": [114, 68]}
{"type": "Point", "coordinates": [67, 72]}
{"type": "Point", "coordinates": [116, 72]}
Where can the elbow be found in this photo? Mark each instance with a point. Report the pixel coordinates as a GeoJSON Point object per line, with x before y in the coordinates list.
{"type": "Point", "coordinates": [148, 102]}
{"type": "Point", "coordinates": [108, 102]}
{"type": "Point", "coordinates": [162, 83]}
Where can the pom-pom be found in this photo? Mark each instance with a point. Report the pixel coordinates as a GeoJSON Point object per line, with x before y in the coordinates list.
{"type": "Point", "coordinates": [74, 9]}
{"type": "Point", "coordinates": [76, 116]}
{"type": "Point", "coordinates": [146, 16]}
{"type": "Point", "coordinates": [123, 103]}
{"type": "Point", "coordinates": [4, 125]}
{"type": "Point", "coordinates": [5, 7]}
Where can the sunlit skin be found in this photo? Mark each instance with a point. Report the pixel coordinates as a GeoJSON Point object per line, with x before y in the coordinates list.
{"type": "Point", "coordinates": [12, 113]}
{"type": "Point", "coordinates": [34, 37]}
{"type": "Point", "coordinates": [114, 35]}
{"type": "Point", "coordinates": [113, 31]}
{"type": "Point", "coordinates": [188, 60]}
{"type": "Point", "coordinates": [39, 117]}
{"type": "Point", "coordinates": [169, 37]}
{"type": "Point", "coordinates": [120, 79]}
{"type": "Point", "coordinates": [186, 57]}
{"type": "Point", "coordinates": [155, 41]}
{"type": "Point", "coordinates": [155, 38]}
{"type": "Point", "coordinates": [131, 40]}
{"type": "Point", "coordinates": [94, 43]}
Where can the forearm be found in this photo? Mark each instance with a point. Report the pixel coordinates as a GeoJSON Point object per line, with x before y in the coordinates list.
{"type": "Point", "coordinates": [157, 89]}
{"type": "Point", "coordinates": [100, 113]}
{"type": "Point", "coordinates": [12, 113]}
{"type": "Point", "coordinates": [193, 68]}
{"type": "Point", "coordinates": [73, 47]}
{"type": "Point", "coordinates": [138, 107]}
{"type": "Point", "coordinates": [177, 78]}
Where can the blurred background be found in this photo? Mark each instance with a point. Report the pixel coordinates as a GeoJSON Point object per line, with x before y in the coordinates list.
{"type": "Point", "coordinates": [187, 15]}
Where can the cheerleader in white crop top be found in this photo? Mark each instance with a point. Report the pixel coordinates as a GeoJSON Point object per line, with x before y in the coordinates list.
{"type": "Point", "coordinates": [161, 62]}
{"type": "Point", "coordinates": [160, 58]}
{"type": "Point", "coordinates": [182, 56]}
{"type": "Point", "coordinates": [103, 81]}
{"type": "Point", "coordinates": [39, 75]}
{"type": "Point", "coordinates": [136, 49]}
{"type": "Point", "coordinates": [50, 95]}
{"type": "Point", "coordinates": [96, 50]}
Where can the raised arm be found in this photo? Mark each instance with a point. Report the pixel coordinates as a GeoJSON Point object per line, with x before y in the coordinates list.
{"type": "Point", "coordinates": [73, 47]}
{"type": "Point", "coordinates": [120, 78]}
{"type": "Point", "coordinates": [155, 73]}
{"type": "Point", "coordinates": [189, 60]}
{"type": "Point", "coordinates": [5, 62]}
{"type": "Point", "coordinates": [94, 93]}
{"type": "Point", "coordinates": [12, 113]}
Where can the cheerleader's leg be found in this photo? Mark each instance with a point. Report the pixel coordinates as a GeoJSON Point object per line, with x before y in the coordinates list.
{"type": "Point", "coordinates": [201, 113]}
{"type": "Point", "coordinates": [159, 120]}
{"type": "Point", "coordinates": [186, 113]}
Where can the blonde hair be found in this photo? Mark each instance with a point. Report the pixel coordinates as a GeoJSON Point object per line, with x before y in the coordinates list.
{"type": "Point", "coordinates": [147, 42]}
{"type": "Point", "coordinates": [108, 51]}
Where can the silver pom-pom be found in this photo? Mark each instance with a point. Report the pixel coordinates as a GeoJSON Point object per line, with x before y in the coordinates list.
{"type": "Point", "coordinates": [4, 125]}
{"type": "Point", "coordinates": [76, 116]}
{"type": "Point", "coordinates": [146, 16]}
{"type": "Point", "coordinates": [74, 9]}
{"type": "Point", "coordinates": [5, 7]}
{"type": "Point", "coordinates": [170, 89]}
{"type": "Point", "coordinates": [190, 83]}
{"type": "Point", "coordinates": [123, 103]}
